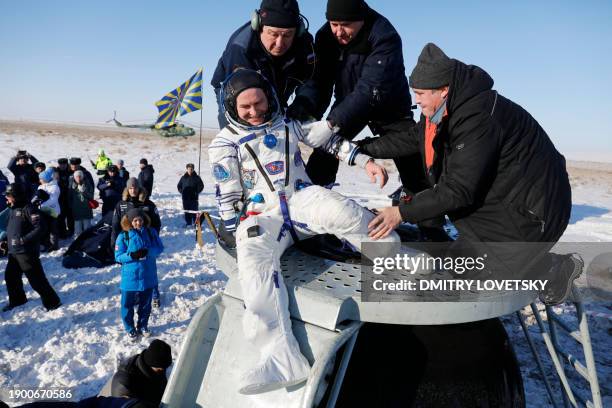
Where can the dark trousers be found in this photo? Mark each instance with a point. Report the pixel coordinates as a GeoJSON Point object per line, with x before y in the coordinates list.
{"type": "Point", "coordinates": [19, 264]}
{"type": "Point", "coordinates": [142, 300]}
{"type": "Point", "coordinates": [53, 239]}
{"type": "Point", "coordinates": [191, 205]}
{"type": "Point", "coordinates": [62, 219]}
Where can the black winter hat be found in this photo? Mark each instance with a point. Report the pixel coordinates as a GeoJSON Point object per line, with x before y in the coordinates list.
{"type": "Point", "coordinates": [144, 161]}
{"type": "Point", "coordinates": [433, 69]}
{"type": "Point", "coordinates": [62, 160]}
{"type": "Point", "coordinates": [75, 161]}
{"type": "Point", "coordinates": [133, 213]}
{"type": "Point", "coordinates": [113, 168]}
{"type": "Point", "coordinates": [40, 165]}
{"type": "Point", "coordinates": [279, 13]}
{"type": "Point", "coordinates": [16, 190]}
{"type": "Point", "coordinates": [346, 10]}
{"type": "Point", "coordinates": [158, 354]}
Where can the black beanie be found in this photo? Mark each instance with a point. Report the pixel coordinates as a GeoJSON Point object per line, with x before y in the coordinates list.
{"type": "Point", "coordinates": [279, 13]}
{"type": "Point", "coordinates": [346, 10]}
{"type": "Point", "coordinates": [75, 161]}
{"type": "Point", "coordinates": [133, 213]}
{"type": "Point", "coordinates": [144, 161]}
{"type": "Point", "coordinates": [433, 69]}
{"type": "Point", "coordinates": [158, 354]}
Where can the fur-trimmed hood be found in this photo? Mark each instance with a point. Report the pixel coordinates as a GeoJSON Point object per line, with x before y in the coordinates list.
{"type": "Point", "coordinates": [126, 225]}
{"type": "Point", "coordinates": [142, 195]}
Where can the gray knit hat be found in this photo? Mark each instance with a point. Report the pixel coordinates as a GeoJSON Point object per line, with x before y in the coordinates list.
{"type": "Point", "coordinates": [132, 182]}
{"type": "Point", "coordinates": [433, 69]}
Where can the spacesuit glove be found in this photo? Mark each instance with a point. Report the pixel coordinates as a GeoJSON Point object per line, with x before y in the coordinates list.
{"type": "Point", "coordinates": [319, 132]}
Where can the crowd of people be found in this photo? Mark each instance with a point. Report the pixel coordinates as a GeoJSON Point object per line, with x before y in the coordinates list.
{"type": "Point", "coordinates": [46, 204]}
{"type": "Point", "coordinates": [474, 156]}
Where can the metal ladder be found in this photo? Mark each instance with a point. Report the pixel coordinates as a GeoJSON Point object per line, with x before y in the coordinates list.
{"type": "Point", "coordinates": [559, 356]}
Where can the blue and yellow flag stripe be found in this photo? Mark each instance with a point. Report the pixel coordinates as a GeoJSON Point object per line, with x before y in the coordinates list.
{"type": "Point", "coordinates": [180, 101]}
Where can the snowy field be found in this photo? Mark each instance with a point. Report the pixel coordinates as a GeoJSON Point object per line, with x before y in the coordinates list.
{"type": "Point", "coordinates": [79, 345]}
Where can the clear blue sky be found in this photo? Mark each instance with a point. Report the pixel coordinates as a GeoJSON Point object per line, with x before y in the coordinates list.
{"type": "Point", "coordinates": [80, 60]}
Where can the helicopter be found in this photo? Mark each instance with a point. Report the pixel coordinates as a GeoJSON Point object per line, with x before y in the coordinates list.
{"type": "Point", "coordinates": [177, 129]}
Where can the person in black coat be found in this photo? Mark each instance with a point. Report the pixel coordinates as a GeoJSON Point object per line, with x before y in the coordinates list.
{"type": "Point", "coordinates": [123, 173]}
{"type": "Point", "coordinates": [491, 167]}
{"type": "Point", "coordinates": [24, 231]}
{"type": "Point", "coordinates": [277, 44]}
{"type": "Point", "coordinates": [360, 61]}
{"type": "Point", "coordinates": [143, 376]}
{"type": "Point", "coordinates": [190, 186]}
{"type": "Point", "coordinates": [145, 177]}
{"type": "Point", "coordinates": [22, 167]}
{"type": "Point", "coordinates": [4, 182]}
{"type": "Point", "coordinates": [111, 188]}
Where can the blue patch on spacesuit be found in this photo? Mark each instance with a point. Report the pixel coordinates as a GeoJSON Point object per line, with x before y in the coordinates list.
{"type": "Point", "coordinates": [220, 172]}
{"type": "Point", "coordinates": [275, 167]}
{"type": "Point", "coordinates": [217, 191]}
{"type": "Point", "coordinates": [297, 158]}
{"type": "Point", "coordinates": [257, 198]}
{"type": "Point", "coordinates": [270, 141]}
{"type": "Point", "coordinates": [249, 178]}
{"type": "Point", "coordinates": [275, 279]}
{"type": "Point", "coordinates": [247, 138]}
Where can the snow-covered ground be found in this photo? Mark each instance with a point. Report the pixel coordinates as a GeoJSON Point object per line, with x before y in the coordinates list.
{"type": "Point", "coordinates": [79, 345]}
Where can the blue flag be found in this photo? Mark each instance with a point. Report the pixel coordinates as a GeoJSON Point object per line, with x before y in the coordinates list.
{"type": "Point", "coordinates": [180, 101]}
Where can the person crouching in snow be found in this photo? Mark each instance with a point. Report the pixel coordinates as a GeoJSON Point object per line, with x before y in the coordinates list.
{"type": "Point", "coordinates": [136, 249]}
{"type": "Point", "coordinates": [266, 197]}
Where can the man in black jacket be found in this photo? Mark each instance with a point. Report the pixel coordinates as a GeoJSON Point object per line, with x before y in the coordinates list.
{"type": "Point", "coordinates": [143, 376]}
{"type": "Point", "coordinates": [145, 177]}
{"type": "Point", "coordinates": [277, 43]}
{"type": "Point", "coordinates": [360, 61]}
{"type": "Point", "coordinates": [111, 187]}
{"type": "Point", "coordinates": [24, 231]}
{"type": "Point", "coordinates": [123, 173]}
{"type": "Point", "coordinates": [22, 167]}
{"type": "Point", "coordinates": [491, 167]}
{"type": "Point", "coordinates": [190, 186]}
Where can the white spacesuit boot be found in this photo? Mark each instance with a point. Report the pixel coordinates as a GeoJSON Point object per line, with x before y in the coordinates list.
{"type": "Point", "coordinates": [267, 323]}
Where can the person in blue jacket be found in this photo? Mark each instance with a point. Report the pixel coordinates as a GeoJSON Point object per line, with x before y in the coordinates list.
{"type": "Point", "coordinates": [136, 249]}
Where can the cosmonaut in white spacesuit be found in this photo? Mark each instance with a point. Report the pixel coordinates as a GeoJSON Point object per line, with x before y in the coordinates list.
{"type": "Point", "coordinates": [263, 190]}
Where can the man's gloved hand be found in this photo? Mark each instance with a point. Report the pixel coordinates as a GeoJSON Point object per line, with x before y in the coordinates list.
{"type": "Point", "coordinates": [141, 253]}
{"type": "Point", "coordinates": [320, 131]}
{"type": "Point", "coordinates": [40, 195]}
{"type": "Point", "coordinates": [300, 110]}
{"type": "Point", "coordinates": [3, 248]}
{"type": "Point", "coordinates": [228, 237]}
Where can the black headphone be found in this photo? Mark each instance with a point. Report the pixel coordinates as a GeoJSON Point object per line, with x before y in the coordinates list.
{"type": "Point", "coordinates": [302, 27]}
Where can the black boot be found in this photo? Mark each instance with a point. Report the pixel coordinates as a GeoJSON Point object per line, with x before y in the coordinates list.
{"type": "Point", "coordinates": [564, 271]}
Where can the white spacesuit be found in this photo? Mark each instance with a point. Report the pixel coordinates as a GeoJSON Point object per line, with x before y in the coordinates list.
{"type": "Point", "coordinates": [262, 187]}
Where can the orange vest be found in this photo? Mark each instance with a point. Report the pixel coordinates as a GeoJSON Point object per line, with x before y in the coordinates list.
{"type": "Point", "coordinates": [430, 135]}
